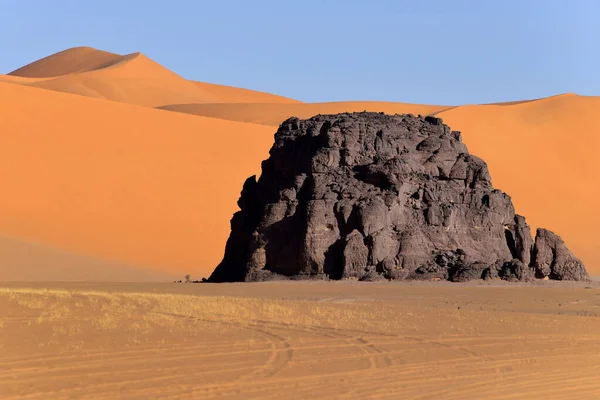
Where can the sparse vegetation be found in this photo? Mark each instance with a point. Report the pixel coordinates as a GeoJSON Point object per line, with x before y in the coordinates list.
{"type": "Point", "coordinates": [141, 312]}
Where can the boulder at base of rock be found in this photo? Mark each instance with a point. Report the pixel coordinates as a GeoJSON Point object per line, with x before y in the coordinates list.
{"type": "Point", "coordinates": [552, 259]}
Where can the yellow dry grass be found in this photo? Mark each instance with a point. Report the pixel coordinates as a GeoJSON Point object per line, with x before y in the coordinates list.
{"type": "Point", "coordinates": [117, 310]}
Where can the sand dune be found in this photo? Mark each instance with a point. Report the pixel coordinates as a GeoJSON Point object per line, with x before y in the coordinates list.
{"type": "Point", "coordinates": [300, 341]}
{"type": "Point", "coordinates": [543, 153]}
{"type": "Point", "coordinates": [132, 78]}
{"type": "Point", "coordinates": [274, 114]}
{"type": "Point", "coordinates": [141, 186]}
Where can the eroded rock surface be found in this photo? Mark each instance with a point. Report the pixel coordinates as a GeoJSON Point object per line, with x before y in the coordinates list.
{"type": "Point", "coordinates": [553, 259]}
{"type": "Point", "coordinates": [372, 196]}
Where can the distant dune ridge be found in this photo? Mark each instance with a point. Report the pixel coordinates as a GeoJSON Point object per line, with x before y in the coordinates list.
{"type": "Point", "coordinates": [132, 78]}
{"type": "Point", "coordinates": [275, 113]}
{"type": "Point", "coordinates": [96, 163]}
{"type": "Point", "coordinates": [70, 61]}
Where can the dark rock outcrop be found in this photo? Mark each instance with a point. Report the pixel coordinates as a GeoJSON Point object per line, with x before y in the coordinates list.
{"type": "Point", "coordinates": [372, 196]}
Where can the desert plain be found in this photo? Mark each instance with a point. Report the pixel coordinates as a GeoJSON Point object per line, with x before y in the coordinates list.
{"type": "Point", "coordinates": [299, 340]}
{"type": "Point", "coordinates": [116, 169]}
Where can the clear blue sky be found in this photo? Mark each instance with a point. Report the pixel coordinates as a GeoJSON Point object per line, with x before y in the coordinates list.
{"type": "Point", "coordinates": [423, 51]}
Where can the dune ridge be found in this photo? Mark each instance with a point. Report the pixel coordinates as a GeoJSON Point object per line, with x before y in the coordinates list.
{"type": "Point", "coordinates": [69, 61]}
{"type": "Point", "coordinates": [230, 94]}
{"type": "Point", "coordinates": [274, 114]}
{"type": "Point", "coordinates": [132, 78]}
{"type": "Point", "coordinates": [118, 158]}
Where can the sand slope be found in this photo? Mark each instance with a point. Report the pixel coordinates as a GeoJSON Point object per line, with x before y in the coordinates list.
{"type": "Point", "coordinates": [300, 341]}
{"type": "Point", "coordinates": [31, 262]}
{"type": "Point", "coordinates": [274, 114]}
{"type": "Point", "coordinates": [142, 186]}
{"type": "Point", "coordinates": [229, 94]}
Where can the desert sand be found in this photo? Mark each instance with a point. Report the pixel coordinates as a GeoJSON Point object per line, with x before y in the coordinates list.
{"type": "Point", "coordinates": [96, 163]}
{"type": "Point", "coordinates": [300, 340]}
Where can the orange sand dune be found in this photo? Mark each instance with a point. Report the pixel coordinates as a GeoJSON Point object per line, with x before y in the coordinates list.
{"type": "Point", "coordinates": [132, 78]}
{"type": "Point", "coordinates": [544, 154]}
{"type": "Point", "coordinates": [141, 186]}
{"type": "Point", "coordinates": [274, 114]}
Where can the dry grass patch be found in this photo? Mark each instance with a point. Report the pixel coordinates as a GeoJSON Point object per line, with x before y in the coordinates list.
{"type": "Point", "coordinates": [139, 313]}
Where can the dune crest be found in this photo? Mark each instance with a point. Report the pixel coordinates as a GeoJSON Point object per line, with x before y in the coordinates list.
{"type": "Point", "coordinates": [230, 94]}
{"type": "Point", "coordinates": [70, 61]}
{"type": "Point", "coordinates": [274, 114]}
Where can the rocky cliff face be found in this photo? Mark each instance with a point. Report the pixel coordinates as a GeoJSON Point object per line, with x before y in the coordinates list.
{"type": "Point", "coordinates": [372, 196]}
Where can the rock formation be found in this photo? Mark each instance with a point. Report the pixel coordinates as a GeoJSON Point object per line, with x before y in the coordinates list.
{"type": "Point", "coordinates": [372, 196]}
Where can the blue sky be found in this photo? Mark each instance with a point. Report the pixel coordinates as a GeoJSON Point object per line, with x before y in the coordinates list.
{"type": "Point", "coordinates": [422, 51]}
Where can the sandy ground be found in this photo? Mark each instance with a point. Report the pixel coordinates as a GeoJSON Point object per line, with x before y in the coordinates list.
{"type": "Point", "coordinates": [95, 163]}
{"type": "Point", "coordinates": [300, 340]}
